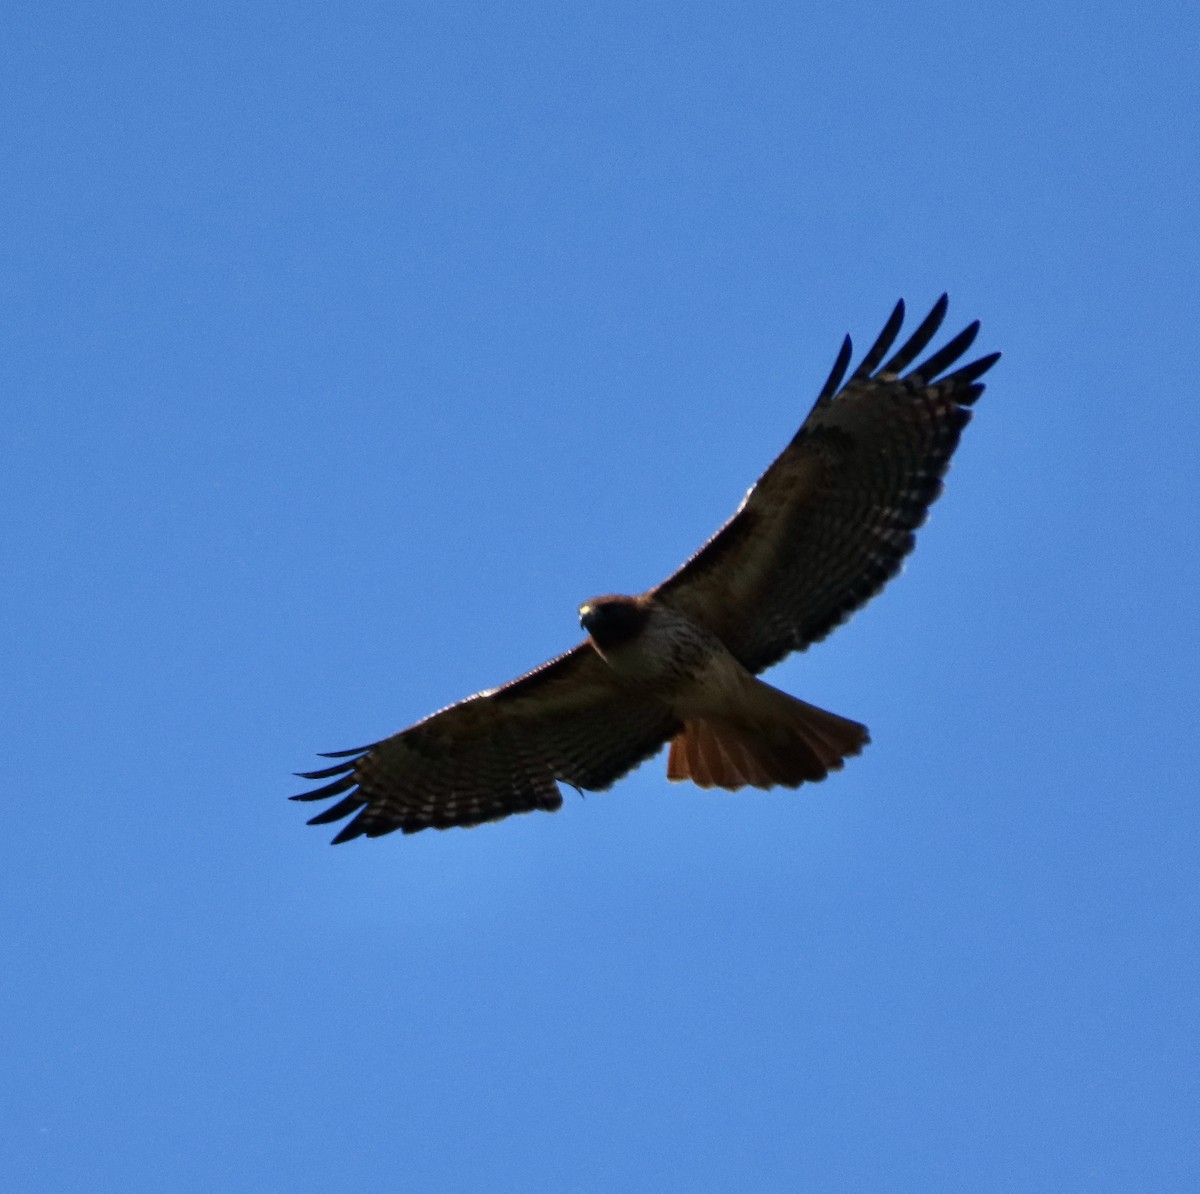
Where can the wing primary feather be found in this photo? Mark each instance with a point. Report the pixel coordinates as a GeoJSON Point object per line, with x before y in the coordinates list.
{"type": "Point", "coordinates": [336, 812]}
{"type": "Point", "coordinates": [345, 754]}
{"type": "Point", "coordinates": [968, 373]}
{"type": "Point", "coordinates": [834, 380]}
{"type": "Point", "coordinates": [326, 772]}
{"type": "Point", "coordinates": [883, 342]}
{"type": "Point", "coordinates": [947, 354]}
{"type": "Point", "coordinates": [374, 829]}
{"type": "Point", "coordinates": [334, 789]}
{"type": "Point", "coordinates": [916, 343]}
{"type": "Point", "coordinates": [353, 830]}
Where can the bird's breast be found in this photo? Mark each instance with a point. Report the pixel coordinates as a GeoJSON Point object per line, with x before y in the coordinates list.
{"type": "Point", "coordinates": [670, 655]}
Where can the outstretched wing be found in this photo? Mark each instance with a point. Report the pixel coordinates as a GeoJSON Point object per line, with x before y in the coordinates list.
{"type": "Point", "coordinates": [500, 752]}
{"type": "Point", "coordinates": [829, 523]}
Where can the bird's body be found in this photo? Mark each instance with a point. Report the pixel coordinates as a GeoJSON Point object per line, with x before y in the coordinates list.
{"type": "Point", "coordinates": [819, 534]}
{"type": "Point", "coordinates": [737, 731]}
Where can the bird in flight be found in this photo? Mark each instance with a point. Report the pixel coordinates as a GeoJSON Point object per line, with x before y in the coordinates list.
{"type": "Point", "coordinates": [819, 534]}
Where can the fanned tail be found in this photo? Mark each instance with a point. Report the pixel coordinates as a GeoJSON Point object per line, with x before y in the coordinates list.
{"type": "Point", "coordinates": [779, 742]}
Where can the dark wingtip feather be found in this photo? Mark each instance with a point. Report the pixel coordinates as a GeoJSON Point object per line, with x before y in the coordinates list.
{"type": "Point", "coordinates": [973, 371]}
{"type": "Point", "coordinates": [343, 808]}
{"type": "Point", "coordinates": [838, 371]}
{"type": "Point", "coordinates": [947, 354]}
{"type": "Point", "coordinates": [364, 826]}
{"type": "Point", "coordinates": [915, 344]}
{"type": "Point", "coordinates": [334, 789]}
{"type": "Point", "coordinates": [326, 772]}
{"type": "Point", "coordinates": [883, 342]}
{"type": "Point", "coordinates": [344, 754]}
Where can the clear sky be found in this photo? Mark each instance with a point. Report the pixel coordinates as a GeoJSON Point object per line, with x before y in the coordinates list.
{"type": "Point", "coordinates": [345, 349]}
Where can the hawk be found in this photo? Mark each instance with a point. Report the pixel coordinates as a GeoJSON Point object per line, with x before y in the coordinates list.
{"type": "Point", "coordinates": [819, 534]}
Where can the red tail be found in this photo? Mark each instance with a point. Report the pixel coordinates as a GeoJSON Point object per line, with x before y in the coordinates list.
{"type": "Point", "coordinates": [779, 742]}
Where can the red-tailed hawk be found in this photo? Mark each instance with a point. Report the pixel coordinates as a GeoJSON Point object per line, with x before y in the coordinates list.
{"type": "Point", "coordinates": [825, 527]}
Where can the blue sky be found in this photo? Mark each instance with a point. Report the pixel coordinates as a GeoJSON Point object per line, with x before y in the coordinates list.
{"type": "Point", "coordinates": [345, 350]}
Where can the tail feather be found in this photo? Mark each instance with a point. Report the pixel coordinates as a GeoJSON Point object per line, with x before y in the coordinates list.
{"type": "Point", "coordinates": [778, 741]}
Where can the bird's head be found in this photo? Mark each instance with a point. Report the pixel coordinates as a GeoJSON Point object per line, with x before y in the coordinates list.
{"type": "Point", "coordinates": [612, 621]}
